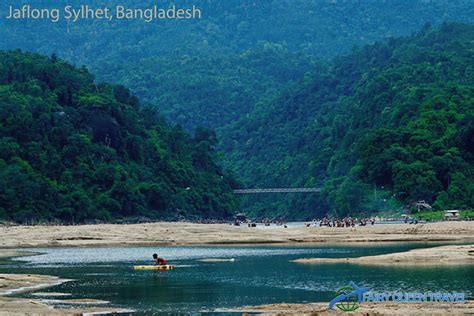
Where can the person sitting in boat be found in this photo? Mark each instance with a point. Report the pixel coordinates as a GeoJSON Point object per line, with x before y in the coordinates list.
{"type": "Point", "coordinates": [159, 261]}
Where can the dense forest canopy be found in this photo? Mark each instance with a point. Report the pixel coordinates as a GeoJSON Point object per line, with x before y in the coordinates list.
{"type": "Point", "coordinates": [388, 124]}
{"type": "Point", "coordinates": [72, 150]}
{"type": "Point", "coordinates": [396, 116]}
{"type": "Point", "coordinates": [212, 71]}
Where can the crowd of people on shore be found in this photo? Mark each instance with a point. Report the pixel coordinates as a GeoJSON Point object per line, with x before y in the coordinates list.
{"type": "Point", "coordinates": [344, 222]}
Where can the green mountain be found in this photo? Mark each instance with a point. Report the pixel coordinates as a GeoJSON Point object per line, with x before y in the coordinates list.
{"type": "Point", "coordinates": [258, 72]}
{"type": "Point", "coordinates": [387, 125]}
{"type": "Point", "coordinates": [212, 71]}
{"type": "Point", "coordinates": [73, 150]}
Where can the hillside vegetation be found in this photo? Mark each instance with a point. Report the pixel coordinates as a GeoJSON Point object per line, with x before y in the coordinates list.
{"type": "Point", "coordinates": [72, 150]}
{"type": "Point", "coordinates": [211, 72]}
{"type": "Point", "coordinates": [388, 124]}
{"type": "Point", "coordinates": [395, 117]}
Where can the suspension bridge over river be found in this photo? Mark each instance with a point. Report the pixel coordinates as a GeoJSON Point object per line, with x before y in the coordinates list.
{"type": "Point", "coordinates": [277, 190]}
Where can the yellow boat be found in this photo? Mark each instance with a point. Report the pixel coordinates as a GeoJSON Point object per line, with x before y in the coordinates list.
{"type": "Point", "coordinates": [163, 267]}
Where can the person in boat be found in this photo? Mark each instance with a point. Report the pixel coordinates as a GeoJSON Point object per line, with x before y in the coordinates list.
{"type": "Point", "coordinates": [159, 261]}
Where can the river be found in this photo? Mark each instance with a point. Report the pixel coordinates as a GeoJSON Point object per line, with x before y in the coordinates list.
{"type": "Point", "coordinates": [259, 275]}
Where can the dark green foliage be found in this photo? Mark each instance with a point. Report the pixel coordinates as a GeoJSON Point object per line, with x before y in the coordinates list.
{"type": "Point", "coordinates": [212, 71]}
{"type": "Point", "coordinates": [224, 72]}
{"type": "Point", "coordinates": [394, 116]}
{"type": "Point", "coordinates": [209, 90]}
{"type": "Point", "coordinates": [72, 150]}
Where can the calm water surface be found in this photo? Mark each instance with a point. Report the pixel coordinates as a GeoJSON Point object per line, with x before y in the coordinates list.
{"type": "Point", "coordinates": [260, 275]}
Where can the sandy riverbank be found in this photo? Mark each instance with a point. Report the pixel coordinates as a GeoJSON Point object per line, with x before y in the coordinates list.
{"type": "Point", "coordinates": [33, 307]}
{"type": "Point", "coordinates": [366, 309]}
{"type": "Point", "coordinates": [444, 255]}
{"type": "Point", "coordinates": [188, 233]}
{"type": "Point", "coordinates": [17, 283]}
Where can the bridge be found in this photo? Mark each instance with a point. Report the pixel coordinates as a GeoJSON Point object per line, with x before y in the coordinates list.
{"type": "Point", "coordinates": [277, 190]}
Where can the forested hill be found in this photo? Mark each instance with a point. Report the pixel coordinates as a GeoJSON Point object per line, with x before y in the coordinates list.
{"type": "Point", "coordinates": [212, 71]}
{"type": "Point", "coordinates": [72, 150]}
{"type": "Point", "coordinates": [387, 125]}
{"type": "Point", "coordinates": [225, 71]}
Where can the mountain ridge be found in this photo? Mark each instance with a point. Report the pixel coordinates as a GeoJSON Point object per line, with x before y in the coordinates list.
{"type": "Point", "coordinates": [392, 94]}
{"type": "Point", "coordinates": [74, 151]}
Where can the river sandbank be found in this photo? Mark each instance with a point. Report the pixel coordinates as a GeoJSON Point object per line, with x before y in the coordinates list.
{"type": "Point", "coordinates": [18, 283]}
{"type": "Point", "coordinates": [32, 307]}
{"type": "Point", "coordinates": [365, 309]}
{"type": "Point", "coordinates": [165, 233]}
{"type": "Point", "coordinates": [444, 255]}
